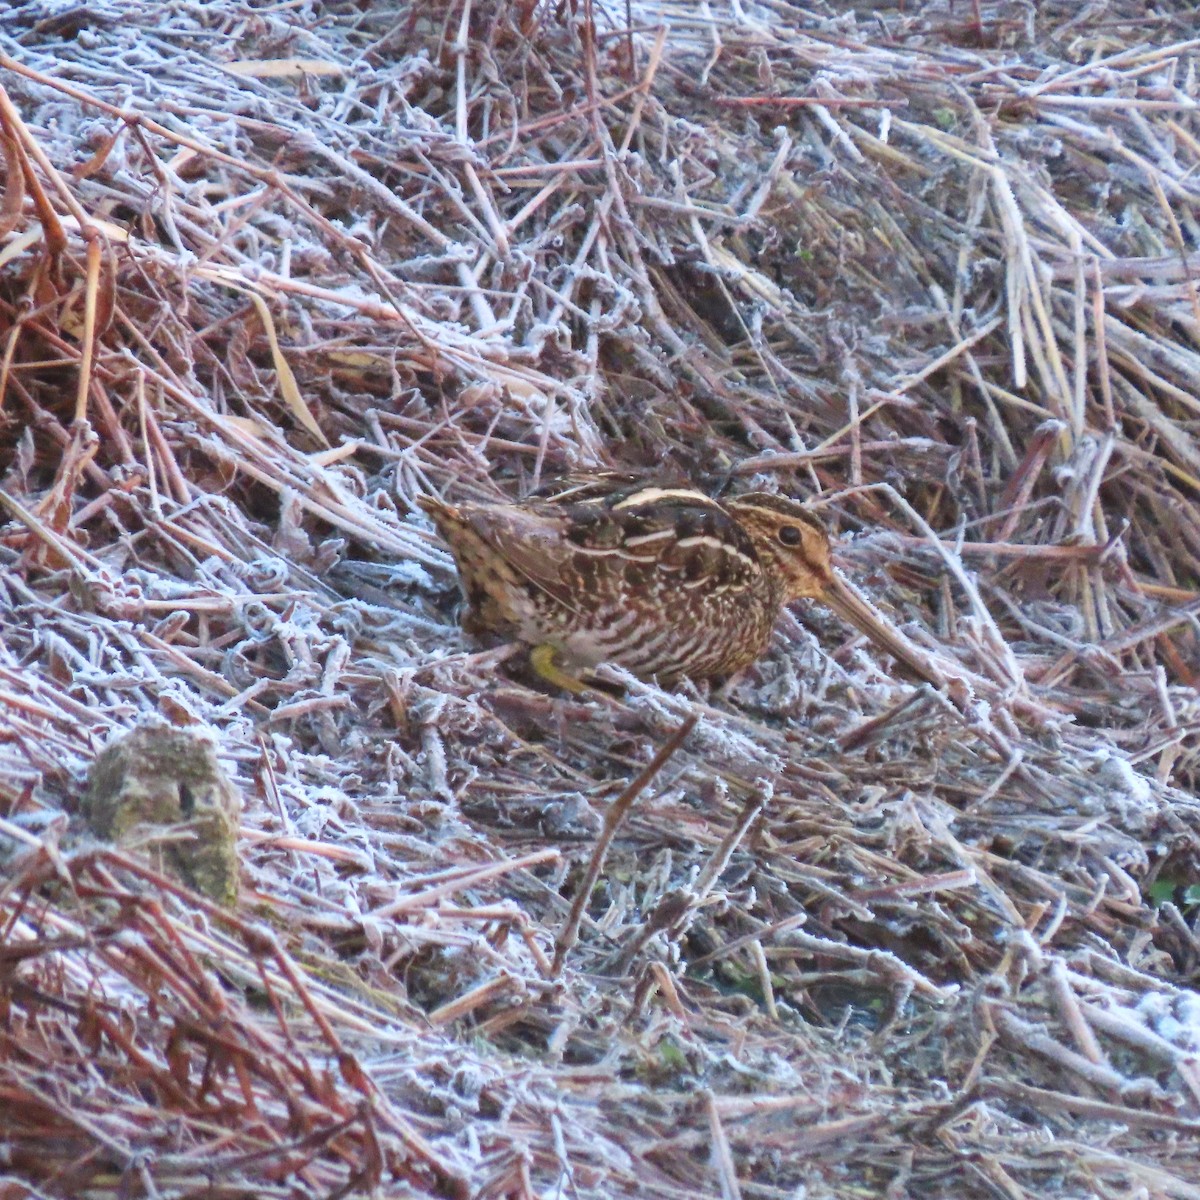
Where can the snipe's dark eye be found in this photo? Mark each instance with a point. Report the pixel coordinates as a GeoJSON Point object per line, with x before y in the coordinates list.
{"type": "Point", "coordinates": [789, 535]}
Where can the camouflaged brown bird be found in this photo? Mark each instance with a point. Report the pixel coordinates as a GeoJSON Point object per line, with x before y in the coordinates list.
{"type": "Point", "coordinates": [664, 581]}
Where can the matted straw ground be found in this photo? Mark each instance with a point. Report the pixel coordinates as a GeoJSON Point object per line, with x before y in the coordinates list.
{"type": "Point", "coordinates": [271, 270]}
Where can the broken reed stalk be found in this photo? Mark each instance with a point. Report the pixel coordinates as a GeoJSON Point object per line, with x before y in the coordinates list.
{"type": "Point", "coordinates": [613, 817]}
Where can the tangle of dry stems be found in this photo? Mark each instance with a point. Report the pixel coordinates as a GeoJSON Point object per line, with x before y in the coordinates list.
{"type": "Point", "coordinates": [267, 272]}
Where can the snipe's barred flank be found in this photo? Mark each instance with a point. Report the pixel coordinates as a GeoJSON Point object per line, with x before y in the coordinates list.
{"type": "Point", "coordinates": [661, 580]}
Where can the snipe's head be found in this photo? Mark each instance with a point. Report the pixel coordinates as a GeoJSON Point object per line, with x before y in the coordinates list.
{"type": "Point", "coordinates": [789, 541]}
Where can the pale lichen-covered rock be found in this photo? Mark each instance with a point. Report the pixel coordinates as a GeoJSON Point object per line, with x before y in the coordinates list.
{"type": "Point", "coordinates": [160, 792]}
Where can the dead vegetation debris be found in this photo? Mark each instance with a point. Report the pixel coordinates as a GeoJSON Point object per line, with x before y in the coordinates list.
{"type": "Point", "coordinates": [267, 272]}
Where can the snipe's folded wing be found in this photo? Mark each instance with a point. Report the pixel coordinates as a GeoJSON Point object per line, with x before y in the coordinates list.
{"type": "Point", "coordinates": [590, 546]}
{"type": "Point", "coordinates": [531, 543]}
{"type": "Point", "coordinates": [660, 536]}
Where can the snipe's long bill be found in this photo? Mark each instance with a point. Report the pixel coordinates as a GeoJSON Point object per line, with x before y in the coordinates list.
{"type": "Point", "coordinates": [847, 602]}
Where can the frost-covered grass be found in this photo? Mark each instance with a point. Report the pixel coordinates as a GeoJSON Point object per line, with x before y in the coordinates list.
{"type": "Point", "coordinates": [267, 272]}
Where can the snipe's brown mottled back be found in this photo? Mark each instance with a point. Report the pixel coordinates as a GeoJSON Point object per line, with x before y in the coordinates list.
{"type": "Point", "coordinates": [661, 580]}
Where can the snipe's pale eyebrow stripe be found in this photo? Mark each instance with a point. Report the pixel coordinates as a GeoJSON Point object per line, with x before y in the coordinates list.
{"type": "Point", "coordinates": [651, 495]}
{"type": "Point", "coordinates": [795, 514]}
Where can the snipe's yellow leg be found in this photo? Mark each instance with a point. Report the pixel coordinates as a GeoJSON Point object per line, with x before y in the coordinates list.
{"type": "Point", "coordinates": [543, 660]}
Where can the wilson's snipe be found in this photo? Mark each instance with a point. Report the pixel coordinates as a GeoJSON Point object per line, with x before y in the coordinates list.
{"type": "Point", "coordinates": [660, 580]}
